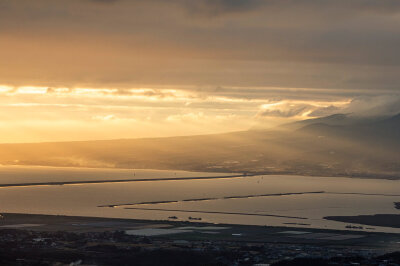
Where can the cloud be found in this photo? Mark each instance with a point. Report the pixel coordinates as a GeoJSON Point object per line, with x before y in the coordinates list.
{"type": "Point", "coordinates": [104, 1]}
{"type": "Point", "coordinates": [218, 7]}
{"type": "Point", "coordinates": [188, 117]}
{"type": "Point", "coordinates": [360, 106]}
{"type": "Point", "coordinates": [284, 109]}
{"type": "Point", "coordinates": [105, 117]}
{"type": "Point", "coordinates": [241, 46]}
{"type": "Point", "coordinates": [200, 117]}
{"type": "Point", "coordinates": [325, 111]}
{"type": "Point", "coordinates": [222, 6]}
{"type": "Point", "coordinates": [382, 105]}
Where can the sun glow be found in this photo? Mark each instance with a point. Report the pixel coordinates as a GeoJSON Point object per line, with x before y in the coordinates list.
{"type": "Point", "coordinates": [5, 88]}
{"type": "Point", "coordinates": [35, 113]}
{"type": "Point", "coordinates": [32, 90]}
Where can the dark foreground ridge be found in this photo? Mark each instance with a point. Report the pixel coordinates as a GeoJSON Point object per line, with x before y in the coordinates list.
{"type": "Point", "coordinates": [27, 239]}
{"type": "Point", "coordinates": [387, 220]}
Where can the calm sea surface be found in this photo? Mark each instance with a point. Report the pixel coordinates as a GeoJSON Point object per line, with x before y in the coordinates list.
{"type": "Point", "coordinates": [274, 200]}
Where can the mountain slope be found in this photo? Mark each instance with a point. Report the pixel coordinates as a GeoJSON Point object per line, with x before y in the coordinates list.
{"type": "Point", "coordinates": [333, 146]}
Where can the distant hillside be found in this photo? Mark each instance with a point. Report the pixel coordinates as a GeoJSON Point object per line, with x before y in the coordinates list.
{"type": "Point", "coordinates": [337, 145]}
{"type": "Point", "coordinates": [334, 120]}
{"type": "Point", "coordinates": [384, 130]}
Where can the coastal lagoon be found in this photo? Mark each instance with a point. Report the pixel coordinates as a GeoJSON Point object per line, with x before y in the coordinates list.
{"type": "Point", "coordinates": [272, 200]}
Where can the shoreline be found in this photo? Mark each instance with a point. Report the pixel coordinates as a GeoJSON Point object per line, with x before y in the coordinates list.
{"type": "Point", "coordinates": [61, 183]}
{"type": "Point", "coordinates": [10, 218]}
{"type": "Point", "coordinates": [243, 172]}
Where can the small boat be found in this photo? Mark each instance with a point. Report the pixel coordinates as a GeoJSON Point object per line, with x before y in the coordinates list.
{"type": "Point", "coordinates": [173, 217]}
{"type": "Point", "coordinates": [194, 218]}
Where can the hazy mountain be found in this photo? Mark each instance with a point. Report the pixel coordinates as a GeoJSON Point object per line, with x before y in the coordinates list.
{"type": "Point", "coordinates": [334, 145]}
{"type": "Point", "coordinates": [384, 129]}
{"type": "Point", "coordinates": [335, 120]}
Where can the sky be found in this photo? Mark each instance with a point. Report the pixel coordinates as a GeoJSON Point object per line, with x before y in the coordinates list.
{"type": "Point", "coordinates": [107, 69]}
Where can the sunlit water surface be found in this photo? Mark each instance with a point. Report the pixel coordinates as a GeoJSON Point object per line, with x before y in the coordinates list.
{"type": "Point", "coordinates": [304, 209]}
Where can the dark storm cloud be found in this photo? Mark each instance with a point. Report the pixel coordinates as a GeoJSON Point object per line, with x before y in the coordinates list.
{"type": "Point", "coordinates": [219, 6]}
{"type": "Point", "coordinates": [211, 7]}
{"type": "Point", "coordinates": [104, 1]}
{"type": "Point", "coordinates": [215, 7]}
{"type": "Point", "coordinates": [349, 45]}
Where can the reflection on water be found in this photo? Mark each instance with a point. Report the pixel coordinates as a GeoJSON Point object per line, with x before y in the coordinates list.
{"type": "Point", "coordinates": [246, 200]}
